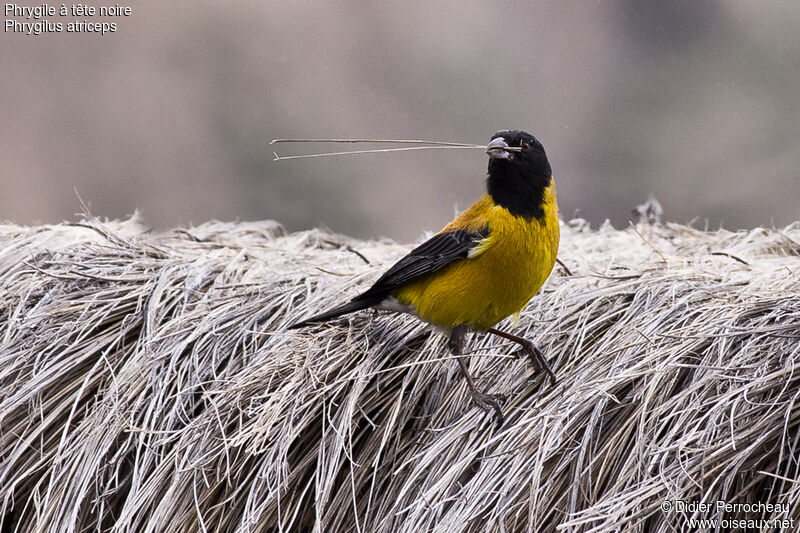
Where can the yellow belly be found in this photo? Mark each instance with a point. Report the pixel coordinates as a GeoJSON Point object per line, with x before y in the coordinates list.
{"type": "Point", "coordinates": [501, 274]}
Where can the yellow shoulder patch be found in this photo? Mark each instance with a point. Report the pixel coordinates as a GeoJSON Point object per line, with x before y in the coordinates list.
{"type": "Point", "coordinates": [480, 247]}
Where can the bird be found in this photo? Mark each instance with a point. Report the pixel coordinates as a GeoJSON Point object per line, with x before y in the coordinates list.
{"type": "Point", "coordinates": [482, 267]}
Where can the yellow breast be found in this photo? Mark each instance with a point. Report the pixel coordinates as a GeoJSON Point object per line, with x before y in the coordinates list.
{"type": "Point", "coordinates": [499, 276]}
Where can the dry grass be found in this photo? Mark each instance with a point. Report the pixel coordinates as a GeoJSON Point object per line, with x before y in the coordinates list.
{"type": "Point", "coordinates": [146, 384]}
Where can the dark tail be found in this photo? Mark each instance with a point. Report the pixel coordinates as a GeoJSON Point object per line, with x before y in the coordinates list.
{"type": "Point", "coordinates": [355, 305]}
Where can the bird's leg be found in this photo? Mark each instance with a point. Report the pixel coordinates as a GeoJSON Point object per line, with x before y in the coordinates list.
{"type": "Point", "coordinates": [530, 350]}
{"type": "Point", "coordinates": [483, 400]}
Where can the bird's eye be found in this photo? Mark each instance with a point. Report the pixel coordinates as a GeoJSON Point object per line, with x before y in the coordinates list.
{"type": "Point", "coordinates": [525, 146]}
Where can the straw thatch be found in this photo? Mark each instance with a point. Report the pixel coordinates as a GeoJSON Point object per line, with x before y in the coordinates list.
{"type": "Point", "coordinates": [147, 384]}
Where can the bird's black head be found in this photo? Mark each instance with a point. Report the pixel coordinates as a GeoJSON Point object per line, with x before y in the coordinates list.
{"type": "Point", "coordinates": [519, 172]}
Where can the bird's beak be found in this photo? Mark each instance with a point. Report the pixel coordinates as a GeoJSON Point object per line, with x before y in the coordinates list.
{"type": "Point", "coordinates": [497, 149]}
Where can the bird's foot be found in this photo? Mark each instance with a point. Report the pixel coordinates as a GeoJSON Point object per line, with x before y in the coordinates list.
{"type": "Point", "coordinates": [537, 357]}
{"type": "Point", "coordinates": [529, 349]}
{"type": "Point", "coordinates": [489, 402]}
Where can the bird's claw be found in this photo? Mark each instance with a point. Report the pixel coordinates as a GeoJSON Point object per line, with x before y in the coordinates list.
{"type": "Point", "coordinates": [537, 358]}
{"type": "Point", "coordinates": [489, 402]}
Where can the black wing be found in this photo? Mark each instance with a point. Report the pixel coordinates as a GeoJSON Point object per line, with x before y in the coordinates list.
{"type": "Point", "coordinates": [434, 254]}
{"type": "Point", "coordinates": [430, 256]}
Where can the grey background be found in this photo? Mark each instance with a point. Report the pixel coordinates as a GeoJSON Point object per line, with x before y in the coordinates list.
{"type": "Point", "coordinates": [695, 102]}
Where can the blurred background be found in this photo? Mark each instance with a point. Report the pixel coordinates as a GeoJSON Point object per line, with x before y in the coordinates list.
{"type": "Point", "coordinates": [695, 102]}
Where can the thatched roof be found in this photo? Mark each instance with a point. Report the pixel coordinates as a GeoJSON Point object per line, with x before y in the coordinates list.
{"type": "Point", "coordinates": [147, 384]}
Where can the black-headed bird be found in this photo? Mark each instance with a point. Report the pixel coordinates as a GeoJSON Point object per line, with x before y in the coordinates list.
{"type": "Point", "coordinates": [484, 265]}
